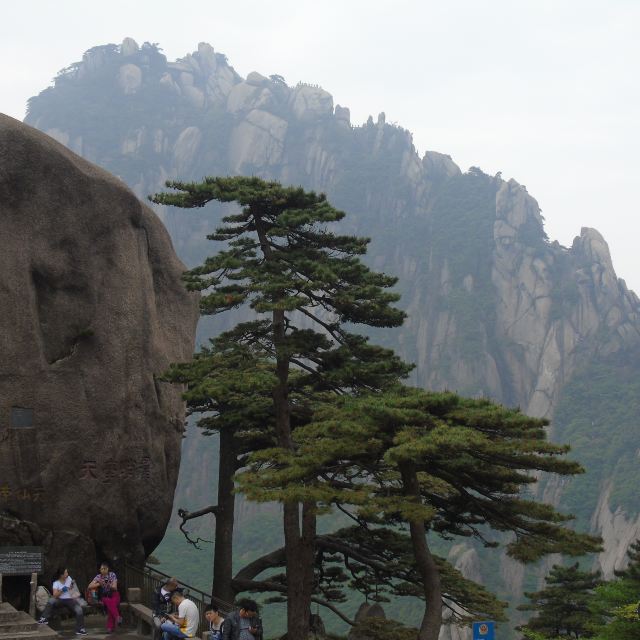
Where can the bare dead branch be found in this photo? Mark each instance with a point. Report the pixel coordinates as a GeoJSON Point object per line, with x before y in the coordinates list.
{"type": "Point", "coordinates": [190, 515]}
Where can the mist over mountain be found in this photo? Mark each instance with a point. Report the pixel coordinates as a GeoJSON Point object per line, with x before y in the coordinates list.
{"type": "Point", "coordinates": [495, 308]}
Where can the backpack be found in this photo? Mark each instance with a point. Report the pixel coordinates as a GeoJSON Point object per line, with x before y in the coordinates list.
{"type": "Point", "coordinates": [217, 635]}
{"type": "Point", "coordinates": [42, 597]}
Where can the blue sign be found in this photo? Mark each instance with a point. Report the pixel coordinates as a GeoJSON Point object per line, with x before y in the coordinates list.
{"type": "Point", "coordinates": [484, 631]}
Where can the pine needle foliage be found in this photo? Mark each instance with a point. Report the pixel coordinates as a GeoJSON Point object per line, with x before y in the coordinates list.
{"type": "Point", "coordinates": [279, 254]}
{"type": "Point", "coordinates": [631, 573]}
{"type": "Point", "coordinates": [472, 459]}
{"type": "Point", "coordinates": [563, 606]}
{"type": "Point", "coordinates": [228, 386]}
{"type": "Point", "coordinates": [618, 601]}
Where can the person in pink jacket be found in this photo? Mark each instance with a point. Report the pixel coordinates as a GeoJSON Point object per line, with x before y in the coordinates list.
{"type": "Point", "coordinates": [106, 582]}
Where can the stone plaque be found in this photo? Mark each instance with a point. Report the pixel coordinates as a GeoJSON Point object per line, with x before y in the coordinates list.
{"type": "Point", "coordinates": [21, 417]}
{"type": "Point", "coordinates": [18, 561]}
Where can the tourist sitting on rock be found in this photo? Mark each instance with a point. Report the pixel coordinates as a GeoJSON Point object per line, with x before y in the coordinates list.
{"type": "Point", "coordinates": [243, 623]}
{"type": "Point", "coordinates": [185, 624]}
{"type": "Point", "coordinates": [212, 614]}
{"type": "Point", "coordinates": [106, 582]}
{"type": "Point", "coordinates": [65, 593]}
{"type": "Point", "coordinates": [161, 604]}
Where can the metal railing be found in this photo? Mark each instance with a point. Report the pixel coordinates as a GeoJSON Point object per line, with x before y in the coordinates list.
{"type": "Point", "coordinates": [149, 579]}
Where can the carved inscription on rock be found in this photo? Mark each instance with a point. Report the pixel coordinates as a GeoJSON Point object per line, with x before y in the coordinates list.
{"type": "Point", "coordinates": [136, 467]}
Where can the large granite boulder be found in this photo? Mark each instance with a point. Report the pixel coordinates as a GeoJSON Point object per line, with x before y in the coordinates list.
{"type": "Point", "coordinates": [93, 311]}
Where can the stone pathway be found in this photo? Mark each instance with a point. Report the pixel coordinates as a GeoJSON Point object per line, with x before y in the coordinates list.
{"type": "Point", "coordinates": [18, 625]}
{"type": "Point", "coordinates": [96, 629]}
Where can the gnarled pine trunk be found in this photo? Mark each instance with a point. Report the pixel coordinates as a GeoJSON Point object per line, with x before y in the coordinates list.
{"type": "Point", "coordinates": [223, 553]}
{"type": "Point", "coordinates": [432, 618]}
{"type": "Point", "coordinates": [298, 543]}
{"type": "Point", "coordinates": [298, 546]}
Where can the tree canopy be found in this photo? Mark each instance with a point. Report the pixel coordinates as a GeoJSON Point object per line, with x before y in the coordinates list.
{"type": "Point", "coordinates": [325, 422]}
{"type": "Point", "coordinates": [435, 462]}
{"type": "Point", "coordinates": [618, 601]}
{"type": "Point", "coordinates": [563, 606]}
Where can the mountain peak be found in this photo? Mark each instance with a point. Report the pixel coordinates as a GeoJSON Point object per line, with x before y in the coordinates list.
{"type": "Point", "coordinates": [129, 47]}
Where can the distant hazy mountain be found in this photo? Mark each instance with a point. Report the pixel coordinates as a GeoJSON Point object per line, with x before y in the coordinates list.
{"type": "Point", "coordinates": [494, 307]}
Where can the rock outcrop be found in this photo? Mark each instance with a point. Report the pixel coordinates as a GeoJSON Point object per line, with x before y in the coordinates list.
{"type": "Point", "coordinates": [618, 531]}
{"type": "Point", "coordinates": [366, 613]}
{"type": "Point", "coordinates": [93, 311]}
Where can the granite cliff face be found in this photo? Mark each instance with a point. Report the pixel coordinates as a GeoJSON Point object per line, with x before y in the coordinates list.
{"type": "Point", "coordinates": [494, 307]}
{"type": "Point", "coordinates": [93, 310]}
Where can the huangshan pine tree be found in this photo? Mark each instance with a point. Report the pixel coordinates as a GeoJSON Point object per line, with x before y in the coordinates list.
{"type": "Point", "coordinates": [618, 601]}
{"type": "Point", "coordinates": [301, 285]}
{"type": "Point", "coordinates": [433, 462]}
{"type": "Point", "coordinates": [563, 606]}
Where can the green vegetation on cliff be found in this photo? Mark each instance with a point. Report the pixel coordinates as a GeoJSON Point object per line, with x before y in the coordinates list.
{"type": "Point", "coordinates": [598, 414]}
{"type": "Point", "coordinates": [562, 606]}
{"type": "Point", "coordinates": [462, 222]}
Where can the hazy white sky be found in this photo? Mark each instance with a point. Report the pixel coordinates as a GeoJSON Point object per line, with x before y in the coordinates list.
{"type": "Point", "coordinates": [546, 91]}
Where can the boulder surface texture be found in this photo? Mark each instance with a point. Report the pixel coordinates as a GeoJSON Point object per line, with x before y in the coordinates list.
{"type": "Point", "coordinates": [93, 310]}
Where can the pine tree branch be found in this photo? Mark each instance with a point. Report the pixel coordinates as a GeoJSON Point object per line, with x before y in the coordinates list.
{"type": "Point", "coordinates": [265, 585]}
{"type": "Point", "coordinates": [338, 484]}
{"type": "Point", "coordinates": [314, 372]}
{"type": "Point", "coordinates": [357, 520]}
{"type": "Point", "coordinates": [336, 334]}
{"type": "Point", "coordinates": [191, 515]}
{"type": "Point", "coordinates": [329, 543]}
{"type": "Point", "coordinates": [304, 367]}
{"type": "Point", "coordinates": [455, 613]}
{"type": "Point", "coordinates": [269, 561]}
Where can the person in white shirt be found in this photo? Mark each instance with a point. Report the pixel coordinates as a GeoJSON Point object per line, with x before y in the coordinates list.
{"type": "Point", "coordinates": [65, 593]}
{"type": "Point", "coordinates": [185, 624]}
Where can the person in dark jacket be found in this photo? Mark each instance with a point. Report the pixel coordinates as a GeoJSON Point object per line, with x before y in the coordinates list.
{"type": "Point", "coordinates": [243, 623]}
{"type": "Point", "coordinates": [161, 604]}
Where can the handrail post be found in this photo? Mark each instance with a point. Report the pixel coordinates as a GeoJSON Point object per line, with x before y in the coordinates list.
{"type": "Point", "coordinates": [32, 594]}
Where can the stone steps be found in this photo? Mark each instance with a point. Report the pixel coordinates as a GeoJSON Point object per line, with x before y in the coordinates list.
{"type": "Point", "coordinates": [10, 619]}
{"type": "Point", "coordinates": [23, 623]}
{"type": "Point", "coordinates": [43, 632]}
{"type": "Point", "coordinates": [7, 612]}
{"type": "Point", "coordinates": [18, 625]}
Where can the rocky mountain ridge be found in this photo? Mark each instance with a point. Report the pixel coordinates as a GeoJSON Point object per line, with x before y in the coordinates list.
{"type": "Point", "coordinates": [494, 308]}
